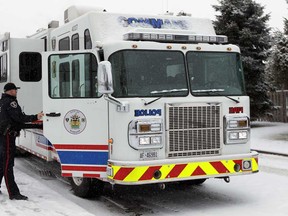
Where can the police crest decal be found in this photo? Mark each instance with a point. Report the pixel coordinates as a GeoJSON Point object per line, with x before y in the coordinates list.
{"type": "Point", "coordinates": [75, 122]}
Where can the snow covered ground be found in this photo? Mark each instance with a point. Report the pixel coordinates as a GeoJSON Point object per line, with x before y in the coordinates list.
{"type": "Point", "coordinates": [264, 193]}
{"type": "Point", "coordinates": [269, 136]}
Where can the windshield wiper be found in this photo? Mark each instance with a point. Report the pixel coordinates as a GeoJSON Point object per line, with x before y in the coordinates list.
{"type": "Point", "coordinates": [168, 91]}
{"type": "Point", "coordinates": [163, 92]}
{"type": "Point", "coordinates": [216, 91]}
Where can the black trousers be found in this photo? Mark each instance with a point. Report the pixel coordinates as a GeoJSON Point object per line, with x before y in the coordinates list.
{"type": "Point", "coordinates": [1, 160]}
{"type": "Point", "coordinates": [8, 151]}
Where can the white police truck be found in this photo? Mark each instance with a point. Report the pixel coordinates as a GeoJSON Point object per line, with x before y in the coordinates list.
{"type": "Point", "coordinates": [132, 99]}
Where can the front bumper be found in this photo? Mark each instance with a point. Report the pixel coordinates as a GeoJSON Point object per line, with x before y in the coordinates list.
{"type": "Point", "coordinates": [171, 170]}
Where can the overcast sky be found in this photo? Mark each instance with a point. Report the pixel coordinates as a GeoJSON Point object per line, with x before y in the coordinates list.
{"type": "Point", "coordinates": [24, 17]}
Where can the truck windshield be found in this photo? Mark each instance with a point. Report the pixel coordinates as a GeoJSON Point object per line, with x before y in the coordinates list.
{"type": "Point", "coordinates": [149, 73]}
{"type": "Point", "coordinates": [214, 73]}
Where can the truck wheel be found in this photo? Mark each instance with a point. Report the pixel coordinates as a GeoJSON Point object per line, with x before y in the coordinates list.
{"type": "Point", "coordinates": [86, 187]}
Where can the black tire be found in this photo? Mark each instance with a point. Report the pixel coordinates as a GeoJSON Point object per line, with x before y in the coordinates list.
{"type": "Point", "coordinates": [86, 187]}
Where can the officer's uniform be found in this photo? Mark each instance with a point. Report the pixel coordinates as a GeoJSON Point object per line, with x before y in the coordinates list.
{"type": "Point", "coordinates": [11, 121]}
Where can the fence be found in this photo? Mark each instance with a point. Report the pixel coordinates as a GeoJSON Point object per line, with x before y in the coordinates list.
{"type": "Point", "coordinates": [280, 101]}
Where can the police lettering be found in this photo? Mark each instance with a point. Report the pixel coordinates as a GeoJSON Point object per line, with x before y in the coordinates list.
{"type": "Point", "coordinates": [150, 112]}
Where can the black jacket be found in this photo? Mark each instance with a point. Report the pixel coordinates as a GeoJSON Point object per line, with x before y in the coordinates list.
{"type": "Point", "coordinates": [11, 115]}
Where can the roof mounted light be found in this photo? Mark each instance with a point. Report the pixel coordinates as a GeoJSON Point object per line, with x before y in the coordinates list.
{"type": "Point", "coordinates": [176, 38]}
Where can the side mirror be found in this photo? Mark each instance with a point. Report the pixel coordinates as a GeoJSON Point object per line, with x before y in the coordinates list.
{"type": "Point", "coordinates": [104, 75]}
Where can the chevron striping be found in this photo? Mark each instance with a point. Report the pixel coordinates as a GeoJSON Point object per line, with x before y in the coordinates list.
{"type": "Point", "coordinates": [136, 174]}
{"type": "Point", "coordinates": [166, 169]}
{"type": "Point", "coordinates": [254, 164]}
{"type": "Point", "coordinates": [188, 170]}
{"type": "Point", "coordinates": [198, 171]}
{"type": "Point", "coordinates": [229, 164]}
{"type": "Point", "coordinates": [177, 169]}
{"type": "Point", "coordinates": [122, 173]}
{"type": "Point", "coordinates": [208, 168]}
{"type": "Point", "coordinates": [220, 167]}
{"type": "Point", "coordinates": [148, 175]}
{"type": "Point", "coordinates": [145, 173]}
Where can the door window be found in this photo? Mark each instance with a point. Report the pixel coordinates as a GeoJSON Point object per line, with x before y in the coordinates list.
{"type": "Point", "coordinates": [73, 76]}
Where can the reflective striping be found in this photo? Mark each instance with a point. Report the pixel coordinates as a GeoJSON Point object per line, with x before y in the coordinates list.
{"type": "Point", "coordinates": [180, 171]}
{"type": "Point", "coordinates": [209, 168]}
{"type": "Point", "coordinates": [189, 169]}
{"type": "Point", "coordinates": [136, 173]}
{"type": "Point", "coordinates": [148, 175]}
{"type": "Point", "coordinates": [123, 173]}
{"type": "Point", "coordinates": [255, 164]}
{"type": "Point", "coordinates": [91, 147]}
{"type": "Point", "coordinates": [229, 165]}
{"type": "Point", "coordinates": [166, 170]}
{"type": "Point", "coordinates": [83, 168]}
{"type": "Point", "coordinates": [88, 175]}
{"type": "Point", "coordinates": [220, 167]}
{"type": "Point", "coordinates": [176, 170]}
{"type": "Point", "coordinates": [198, 171]}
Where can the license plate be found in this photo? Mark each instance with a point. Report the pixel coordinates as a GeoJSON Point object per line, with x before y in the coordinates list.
{"type": "Point", "coordinates": [149, 155]}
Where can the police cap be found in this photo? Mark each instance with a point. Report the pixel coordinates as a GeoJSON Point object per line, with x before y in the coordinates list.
{"type": "Point", "coordinates": [10, 86]}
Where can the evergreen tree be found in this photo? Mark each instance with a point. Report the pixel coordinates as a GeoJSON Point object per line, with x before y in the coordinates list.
{"type": "Point", "coordinates": [286, 24]}
{"type": "Point", "coordinates": [245, 24]}
{"type": "Point", "coordinates": [279, 64]}
{"type": "Point", "coordinates": [277, 67]}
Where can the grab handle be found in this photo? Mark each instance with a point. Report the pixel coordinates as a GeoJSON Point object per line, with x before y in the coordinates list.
{"type": "Point", "coordinates": [53, 114]}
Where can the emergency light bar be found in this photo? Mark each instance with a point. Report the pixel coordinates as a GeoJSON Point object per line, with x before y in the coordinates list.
{"type": "Point", "coordinates": [176, 38]}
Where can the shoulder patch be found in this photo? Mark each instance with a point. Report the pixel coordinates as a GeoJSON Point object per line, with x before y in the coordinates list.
{"type": "Point", "coordinates": [13, 104]}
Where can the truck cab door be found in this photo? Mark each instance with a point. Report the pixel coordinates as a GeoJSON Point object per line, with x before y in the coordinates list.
{"type": "Point", "coordinates": [76, 116]}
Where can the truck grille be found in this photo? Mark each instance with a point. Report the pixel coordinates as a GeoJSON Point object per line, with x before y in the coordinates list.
{"type": "Point", "coordinates": [193, 130]}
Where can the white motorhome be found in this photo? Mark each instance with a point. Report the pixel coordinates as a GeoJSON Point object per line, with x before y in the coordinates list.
{"type": "Point", "coordinates": [132, 99]}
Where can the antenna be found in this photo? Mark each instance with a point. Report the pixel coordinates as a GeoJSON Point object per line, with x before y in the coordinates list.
{"type": "Point", "coordinates": [165, 5]}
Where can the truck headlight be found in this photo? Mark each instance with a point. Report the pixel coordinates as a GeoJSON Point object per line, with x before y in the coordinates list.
{"type": "Point", "coordinates": [243, 134]}
{"type": "Point", "coordinates": [237, 129]}
{"type": "Point", "coordinates": [146, 133]}
{"type": "Point", "coordinates": [156, 140]}
{"type": "Point", "coordinates": [233, 135]}
{"type": "Point", "coordinates": [238, 135]}
{"type": "Point", "coordinates": [144, 140]}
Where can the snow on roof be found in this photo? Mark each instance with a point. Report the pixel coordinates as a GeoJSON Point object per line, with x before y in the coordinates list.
{"type": "Point", "coordinates": [111, 26]}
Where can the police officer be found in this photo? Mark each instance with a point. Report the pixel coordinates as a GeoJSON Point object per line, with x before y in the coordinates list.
{"type": "Point", "coordinates": [11, 121]}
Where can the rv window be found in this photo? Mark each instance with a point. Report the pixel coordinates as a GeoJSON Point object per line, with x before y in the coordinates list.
{"type": "Point", "coordinates": [75, 42]}
{"type": "Point", "coordinates": [73, 76]}
{"type": "Point", "coordinates": [64, 44]}
{"type": "Point", "coordinates": [87, 40]}
{"type": "Point", "coordinates": [3, 68]}
{"type": "Point", "coordinates": [30, 67]}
